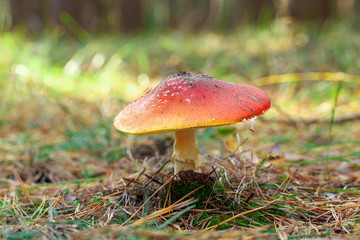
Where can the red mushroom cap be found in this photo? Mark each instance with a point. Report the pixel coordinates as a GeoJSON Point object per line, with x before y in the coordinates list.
{"type": "Point", "coordinates": [189, 100]}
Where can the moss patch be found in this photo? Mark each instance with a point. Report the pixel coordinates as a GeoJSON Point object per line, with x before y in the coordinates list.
{"type": "Point", "coordinates": [187, 182]}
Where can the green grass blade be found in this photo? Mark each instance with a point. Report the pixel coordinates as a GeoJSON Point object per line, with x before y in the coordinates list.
{"type": "Point", "coordinates": [176, 216]}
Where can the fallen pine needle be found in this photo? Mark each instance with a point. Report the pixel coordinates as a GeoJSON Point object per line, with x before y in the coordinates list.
{"type": "Point", "coordinates": [23, 187]}
{"type": "Point", "coordinates": [166, 183]}
{"type": "Point", "coordinates": [239, 215]}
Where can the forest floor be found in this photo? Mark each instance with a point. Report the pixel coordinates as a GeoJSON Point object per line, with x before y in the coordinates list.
{"type": "Point", "coordinates": [67, 173]}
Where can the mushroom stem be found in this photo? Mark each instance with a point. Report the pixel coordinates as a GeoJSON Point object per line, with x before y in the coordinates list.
{"type": "Point", "coordinates": [186, 154]}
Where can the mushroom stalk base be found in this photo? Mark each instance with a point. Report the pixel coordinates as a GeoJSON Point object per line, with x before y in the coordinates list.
{"type": "Point", "coordinates": [186, 154]}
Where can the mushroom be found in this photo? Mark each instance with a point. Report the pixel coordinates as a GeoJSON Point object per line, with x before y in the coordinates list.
{"type": "Point", "coordinates": [184, 102]}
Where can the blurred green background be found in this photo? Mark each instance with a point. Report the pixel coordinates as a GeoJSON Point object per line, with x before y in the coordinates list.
{"type": "Point", "coordinates": [68, 67]}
